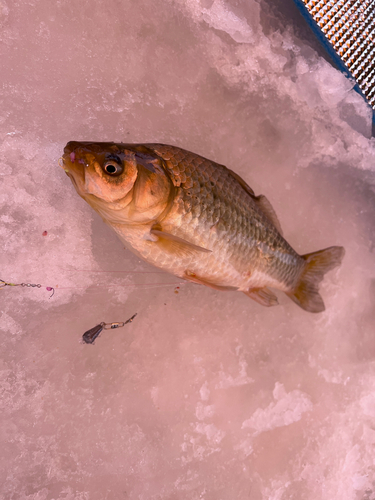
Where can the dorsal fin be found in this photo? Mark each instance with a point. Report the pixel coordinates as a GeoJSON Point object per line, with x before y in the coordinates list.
{"type": "Point", "coordinates": [261, 201]}
{"type": "Point", "coordinates": [267, 209]}
{"type": "Point", "coordinates": [239, 179]}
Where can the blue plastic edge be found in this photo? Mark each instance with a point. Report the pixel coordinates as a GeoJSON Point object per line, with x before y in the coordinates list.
{"type": "Point", "coordinates": [331, 52]}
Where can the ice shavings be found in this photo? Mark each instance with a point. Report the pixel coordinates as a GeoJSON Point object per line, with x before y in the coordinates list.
{"type": "Point", "coordinates": [276, 490]}
{"type": "Point", "coordinates": [220, 17]}
{"type": "Point", "coordinates": [204, 391]}
{"type": "Point", "coordinates": [204, 411]}
{"type": "Point", "coordinates": [367, 403]}
{"type": "Point", "coordinates": [349, 441]}
{"type": "Point", "coordinates": [227, 380]}
{"type": "Point", "coordinates": [287, 409]}
{"type": "Point", "coordinates": [203, 442]}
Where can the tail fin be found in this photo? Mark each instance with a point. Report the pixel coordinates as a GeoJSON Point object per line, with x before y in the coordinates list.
{"type": "Point", "coordinates": [306, 294]}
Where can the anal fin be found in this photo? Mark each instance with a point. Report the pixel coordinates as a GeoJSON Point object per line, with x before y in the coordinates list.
{"type": "Point", "coordinates": [263, 296]}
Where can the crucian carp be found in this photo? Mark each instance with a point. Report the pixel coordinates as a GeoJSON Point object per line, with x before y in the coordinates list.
{"type": "Point", "coordinates": [196, 219]}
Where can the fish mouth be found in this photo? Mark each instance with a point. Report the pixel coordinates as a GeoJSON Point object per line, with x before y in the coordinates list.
{"type": "Point", "coordinates": [75, 164]}
{"type": "Point", "coordinates": [74, 167]}
{"type": "Point", "coordinates": [63, 162]}
{"type": "Point", "coordinates": [74, 161]}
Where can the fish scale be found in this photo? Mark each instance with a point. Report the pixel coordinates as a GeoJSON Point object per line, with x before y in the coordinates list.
{"type": "Point", "coordinates": [196, 219]}
{"type": "Point", "coordinates": [234, 215]}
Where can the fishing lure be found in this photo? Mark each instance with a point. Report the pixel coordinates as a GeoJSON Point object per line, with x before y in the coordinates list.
{"type": "Point", "coordinates": [92, 334]}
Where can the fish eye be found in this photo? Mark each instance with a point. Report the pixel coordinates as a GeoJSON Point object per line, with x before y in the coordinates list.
{"type": "Point", "coordinates": [112, 167]}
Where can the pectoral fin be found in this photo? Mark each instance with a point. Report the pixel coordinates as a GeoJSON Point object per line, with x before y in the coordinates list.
{"type": "Point", "coordinates": [263, 296]}
{"type": "Point", "coordinates": [176, 245]}
{"type": "Point", "coordinates": [189, 275]}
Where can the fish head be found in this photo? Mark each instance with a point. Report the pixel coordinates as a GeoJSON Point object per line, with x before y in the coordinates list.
{"type": "Point", "coordinates": [124, 183]}
{"type": "Point", "coordinates": [102, 170]}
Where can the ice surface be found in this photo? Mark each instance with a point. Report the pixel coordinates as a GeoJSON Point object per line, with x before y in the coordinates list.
{"type": "Point", "coordinates": [206, 395]}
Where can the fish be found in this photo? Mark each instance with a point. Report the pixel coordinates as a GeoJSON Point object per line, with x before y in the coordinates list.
{"type": "Point", "coordinates": [196, 219]}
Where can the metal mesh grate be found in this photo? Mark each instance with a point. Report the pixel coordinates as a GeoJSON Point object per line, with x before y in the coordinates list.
{"type": "Point", "coordinates": [349, 25]}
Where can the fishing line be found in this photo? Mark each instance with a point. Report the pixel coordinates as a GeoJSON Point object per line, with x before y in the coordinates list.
{"type": "Point", "coordinates": [90, 335]}
{"type": "Point", "coordinates": [89, 288]}
{"type": "Point", "coordinates": [108, 285]}
{"type": "Point", "coordinates": [97, 289]}
{"type": "Point", "coordinates": [118, 272]}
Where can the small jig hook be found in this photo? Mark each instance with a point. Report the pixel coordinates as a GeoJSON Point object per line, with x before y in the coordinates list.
{"type": "Point", "coordinates": [3, 284]}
